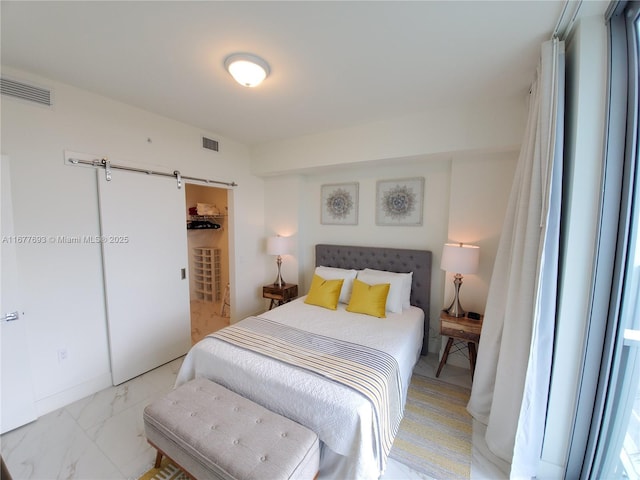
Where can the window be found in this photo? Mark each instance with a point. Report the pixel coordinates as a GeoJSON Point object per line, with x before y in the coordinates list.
{"type": "Point", "coordinates": [613, 447]}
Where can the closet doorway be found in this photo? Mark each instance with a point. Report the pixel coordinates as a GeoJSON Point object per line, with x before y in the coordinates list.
{"type": "Point", "coordinates": [208, 249]}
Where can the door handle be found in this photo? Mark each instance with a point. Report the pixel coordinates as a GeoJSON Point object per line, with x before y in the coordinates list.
{"type": "Point", "coordinates": [10, 317]}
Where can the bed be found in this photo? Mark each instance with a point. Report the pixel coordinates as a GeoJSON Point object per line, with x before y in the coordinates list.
{"type": "Point", "coordinates": [347, 422]}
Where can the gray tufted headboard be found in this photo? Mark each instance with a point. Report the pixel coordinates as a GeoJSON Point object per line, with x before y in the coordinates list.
{"type": "Point", "coordinates": [390, 259]}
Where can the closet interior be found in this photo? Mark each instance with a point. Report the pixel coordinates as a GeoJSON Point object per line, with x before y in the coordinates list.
{"type": "Point", "coordinates": [208, 244]}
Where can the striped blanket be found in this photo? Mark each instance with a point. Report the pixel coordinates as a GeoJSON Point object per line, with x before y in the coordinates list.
{"type": "Point", "coordinates": [372, 373]}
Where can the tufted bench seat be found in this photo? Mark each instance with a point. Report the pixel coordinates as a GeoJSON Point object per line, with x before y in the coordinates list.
{"type": "Point", "coordinates": [213, 433]}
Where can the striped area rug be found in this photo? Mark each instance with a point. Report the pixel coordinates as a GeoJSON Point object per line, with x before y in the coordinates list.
{"type": "Point", "coordinates": [167, 471]}
{"type": "Point", "coordinates": [435, 433]}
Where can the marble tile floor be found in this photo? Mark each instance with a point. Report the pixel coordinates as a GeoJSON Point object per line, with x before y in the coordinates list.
{"type": "Point", "coordinates": [97, 437]}
{"type": "Point", "coordinates": [102, 436]}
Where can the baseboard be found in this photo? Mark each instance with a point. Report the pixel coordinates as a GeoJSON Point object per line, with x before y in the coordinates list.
{"type": "Point", "coordinates": [73, 394]}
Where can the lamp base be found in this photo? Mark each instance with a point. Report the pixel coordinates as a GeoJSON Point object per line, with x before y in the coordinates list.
{"type": "Point", "coordinates": [279, 280]}
{"type": "Point", "coordinates": [455, 309]}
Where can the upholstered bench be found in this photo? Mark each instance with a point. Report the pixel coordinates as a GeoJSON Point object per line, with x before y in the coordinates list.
{"type": "Point", "coordinates": [213, 433]}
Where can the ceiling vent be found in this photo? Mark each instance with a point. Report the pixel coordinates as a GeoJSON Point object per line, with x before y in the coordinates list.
{"type": "Point", "coordinates": [25, 91]}
{"type": "Point", "coordinates": [210, 144]}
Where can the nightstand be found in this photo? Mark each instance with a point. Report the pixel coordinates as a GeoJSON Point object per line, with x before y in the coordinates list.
{"type": "Point", "coordinates": [280, 295]}
{"type": "Point", "coordinates": [462, 329]}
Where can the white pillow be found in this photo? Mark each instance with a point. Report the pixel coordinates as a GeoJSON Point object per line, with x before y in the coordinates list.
{"type": "Point", "coordinates": [332, 273]}
{"type": "Point", "coordinates": [400, 290]}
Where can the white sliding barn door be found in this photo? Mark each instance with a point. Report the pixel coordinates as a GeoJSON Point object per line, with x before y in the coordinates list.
{"type": "Point", "coordinates": [17, 400]}
{"type": "Point", "coordinates": [144, 251]}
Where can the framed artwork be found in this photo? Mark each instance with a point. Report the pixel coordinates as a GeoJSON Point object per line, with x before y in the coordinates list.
{"type": "Point", "coordinates": [339, 204]}
{"type": "Point", "coordinates": [399, 202]}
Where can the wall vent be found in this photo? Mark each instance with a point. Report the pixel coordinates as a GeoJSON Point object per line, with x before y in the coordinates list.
{"type": "Point", "coordinates": [210, 144]}
{"type": "Point", "coordinates": [25, 91]}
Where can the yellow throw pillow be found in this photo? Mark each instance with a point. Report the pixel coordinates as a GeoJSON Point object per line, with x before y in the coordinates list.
{"type": "Point", "coordinates": [324, 293]}
{"type": "Point", "coordinates": [368, 299]}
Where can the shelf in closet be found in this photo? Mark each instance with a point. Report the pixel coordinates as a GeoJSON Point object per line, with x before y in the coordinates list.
{"type": "Point", "coordinates": [206, 273]}
{"type": "Point", "coordinates": [199, 222]}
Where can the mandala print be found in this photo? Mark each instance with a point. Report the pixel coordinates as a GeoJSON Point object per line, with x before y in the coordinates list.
{"type": "Point", "coordinates": [339, 204]}
{"type": "Point", "coordinates": [399, 202]}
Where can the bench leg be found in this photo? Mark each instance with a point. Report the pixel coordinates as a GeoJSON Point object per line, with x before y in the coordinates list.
{"type": "Point", "coordinates": [158, 459]}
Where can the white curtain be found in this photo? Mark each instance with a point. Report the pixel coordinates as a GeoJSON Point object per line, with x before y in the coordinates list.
{"type": "Point", "coordinates": [512, 377]}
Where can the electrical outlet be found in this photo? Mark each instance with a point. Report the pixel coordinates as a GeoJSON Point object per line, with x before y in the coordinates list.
{"type": "Point", "coordinates": [63, 354]}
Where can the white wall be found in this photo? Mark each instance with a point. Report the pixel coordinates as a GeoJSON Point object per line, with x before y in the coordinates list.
{"type": "Point", "coordinates": [480, 188]}
{"type": "Point", "coordinates": [283, 204]}
{"type": "Point", "coordinates": [64, 301]}
{"type": "Point", "coordinates": [488, 127]}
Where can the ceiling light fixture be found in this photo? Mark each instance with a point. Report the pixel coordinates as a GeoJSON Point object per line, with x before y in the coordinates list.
{"type": "Point", "coordinates": [247, 69]}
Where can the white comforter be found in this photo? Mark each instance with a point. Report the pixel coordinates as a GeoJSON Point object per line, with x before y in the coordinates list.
{"type": "Point", "coordinates": [342, 418]}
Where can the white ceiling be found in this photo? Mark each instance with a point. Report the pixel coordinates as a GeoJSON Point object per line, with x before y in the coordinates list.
{"type": "Point", "coordinates": [333, 64]}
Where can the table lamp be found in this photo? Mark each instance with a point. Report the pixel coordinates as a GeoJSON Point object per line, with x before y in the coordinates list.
{"type": "Point", "coordinates": [458, 258]}
{"type": "Point", "coordinates": [278, 246]}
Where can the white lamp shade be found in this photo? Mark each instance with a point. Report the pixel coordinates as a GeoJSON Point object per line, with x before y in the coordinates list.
{"type": "Point", "coordinates": [277, 245]}
{"type": "Point", "coordinates": [459, 258]}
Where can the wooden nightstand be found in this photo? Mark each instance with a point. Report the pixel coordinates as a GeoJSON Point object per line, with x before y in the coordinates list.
{"type": "Point", "coordinates": [460, 328]}
{"type": "Point", "coordinates": [279, 295]}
